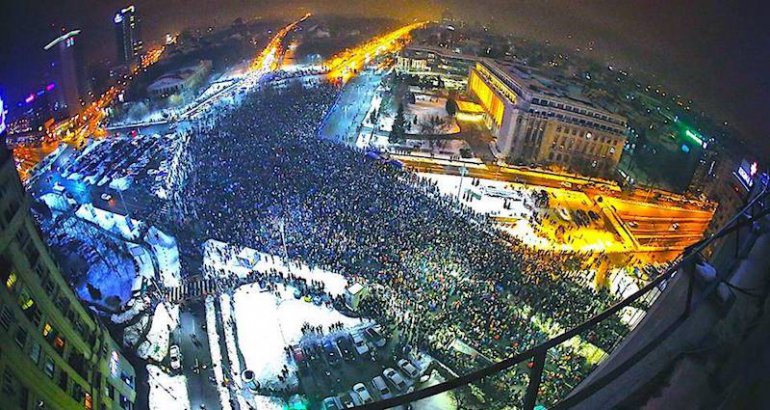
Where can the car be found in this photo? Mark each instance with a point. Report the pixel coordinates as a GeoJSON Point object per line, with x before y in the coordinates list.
{"type": "Point", "coordinates": [346, 348]}
{"type": "Point", "coordinates": [363, 394]}
{"type": "Point", "coordinates": [379, 383]}
{"type": "Point", "coordinates": [408, 368]}
{"type": "Point", "coordinates": [396, 378]}
{"type": "Point", "coordinates": [331, 403]}
{"type": "Point", "coordinates": [332, 352]}
{"type": "Point", "coordinates": [633, 224]}
{"type": "Point", "coordinates": [175, 357]}
{"type": "Point", "coordinates": [58, 188]}
{"type": "Point", "coordinates": [346, 400]}
{"type": "Point", "coordinates": [375, 337]}
{"type": "Point", "coordinates": [674, 227]}
{"type": "Point", "coordinates": [106, 197]}
{"type": "Point", "coordinates": [566, 184]}
{"type": "Point", "coordinates": [360, 344]}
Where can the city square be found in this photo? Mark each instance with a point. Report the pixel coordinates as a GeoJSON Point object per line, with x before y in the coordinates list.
{"type": "Point", "coordinates": [324, 212]}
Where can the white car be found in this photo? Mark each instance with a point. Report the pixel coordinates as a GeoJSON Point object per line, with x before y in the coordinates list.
{"type": "Point", "coordinates": [360, 344]}
{"type": "Point", "coordinates": [175, 357]}
{"type": "Point", "coordinates": [408, 368]}
{"type": "Point", "coordinates": [363, 394]}
{"type": "Point", "coordinates": [106, 197]}
{"type": "Point", "coordinates": [396, 378]}
{"type": "Point", "coordinates": [566, 184]}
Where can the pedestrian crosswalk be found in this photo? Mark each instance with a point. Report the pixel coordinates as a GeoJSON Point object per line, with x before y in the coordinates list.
{"type": "Point", "coordinates": [192, 290]}
{"type": "Point", "coordinates": [201, 288]}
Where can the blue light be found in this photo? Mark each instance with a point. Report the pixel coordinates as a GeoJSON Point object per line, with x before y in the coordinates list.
{"type": "Point", "coordinates": [2, 116]}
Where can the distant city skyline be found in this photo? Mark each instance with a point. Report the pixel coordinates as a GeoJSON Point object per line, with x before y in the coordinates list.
{"type": "Point", "coordinates": [711, 52]}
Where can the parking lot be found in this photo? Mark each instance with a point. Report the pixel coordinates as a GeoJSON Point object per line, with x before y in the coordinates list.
{"type": "Point", "coordinates": [354, 367]}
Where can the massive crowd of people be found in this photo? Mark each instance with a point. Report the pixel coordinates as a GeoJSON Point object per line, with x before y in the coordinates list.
{"type": "Point", "coordinates": [260, 177]}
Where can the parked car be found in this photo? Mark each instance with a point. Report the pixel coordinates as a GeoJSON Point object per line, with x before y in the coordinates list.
{"type": "Point", "coordinates": [408, 368]}
{"type": "Point", "coordinates": [396, 378]}
{"type": "Point", "coordinates": [332, 352]}
{"type": "Point", "coordinates": [379, 383]}
{"type": "Point", "coordinates": [346, 348]}
{"type": "Point", "coordinates": [363, 394]}
{"type": "Point", "coordinates": [175, 357]}
{"type": "Point", "coordinates": [360, 344]}
{"type": "Point", "coordinates": [347, 400]}
{"type": "Point", "coordinates": [106, 197]}
{"type": "Point", "coordinates": [375, 337]}
{"type": "Point", "coordinates": [331, 403]}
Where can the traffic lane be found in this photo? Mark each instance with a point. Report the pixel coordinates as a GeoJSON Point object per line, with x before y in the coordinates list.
{"type": "Point", "coordinates": [657, 226]}
{"type": "Point", "coordinates": [194, 346]}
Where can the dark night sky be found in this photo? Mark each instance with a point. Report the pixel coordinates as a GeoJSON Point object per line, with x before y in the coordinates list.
{"type": "Point", "coordinates": [717, 52]}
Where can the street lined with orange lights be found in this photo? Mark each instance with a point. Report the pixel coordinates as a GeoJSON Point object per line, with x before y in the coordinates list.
{"type": "Point", "coordinates": [346, 64]}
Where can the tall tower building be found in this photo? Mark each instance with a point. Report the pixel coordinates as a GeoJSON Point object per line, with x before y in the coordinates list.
{"type": "Point", "coordinates": [128, 35]}
{"type": "Point", "coordinates": [54, 353]}
{"type": "Point", "coordinates": [67, 72]}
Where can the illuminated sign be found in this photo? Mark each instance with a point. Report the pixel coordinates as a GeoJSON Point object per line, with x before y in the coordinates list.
{"type": "Point", "coordinates": [2, 116]}
{"type": "Point", "coordinates": [746, 173]}
{"type": "Point", "coordinates": [695, 137]}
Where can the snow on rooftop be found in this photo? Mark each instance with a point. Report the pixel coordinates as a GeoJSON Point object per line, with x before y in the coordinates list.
{"type": "Point", "coordinates": [115, 223]}
{"type": "Point", "coordinates": [167, 254]}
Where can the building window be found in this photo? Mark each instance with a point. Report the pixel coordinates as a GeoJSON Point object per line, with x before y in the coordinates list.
{"type": "Point", "coordinates": [21, 337]}
{"type": "Point", "coordinates": [6, 318]}
{"type": "Point", "coordinates": [34, 353]}
{"type": "Point", "coordinates": [59, 343]}
{"type": "Point", "coordinates": [50, 367]}
{"type": "Point", "coordinates": [11, 282]}
{"type": "Point", "coordinates": [25, 301]}
{"type": "Point", "coordinates": [48, 331]}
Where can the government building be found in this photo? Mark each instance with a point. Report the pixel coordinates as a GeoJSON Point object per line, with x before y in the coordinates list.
{"type": "Point", "coordinates": [536, 120]}
{"type": "Point", "coordinates": [54, 353]}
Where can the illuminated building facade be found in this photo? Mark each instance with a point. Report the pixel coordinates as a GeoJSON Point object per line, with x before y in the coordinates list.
{"type": "Point", "coordinates": [128, 36]}
{"type": "Point", "coordinates": [68, 83]}
{"type": "Point", "coordinates": [54, 353]}
{"type": "Point", "coordinates": [536, 122]}
{"type": "Point", "coordinates": [452, 67]}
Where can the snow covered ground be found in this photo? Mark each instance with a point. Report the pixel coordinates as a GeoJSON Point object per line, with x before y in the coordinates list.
{"type": "Point", "coordinates": [225, 304]}
{"type": "Point", "coordinates": [223, 259]}
{"type": "Point", "coordinates": [164, 321]}
{"type": "Point", "coordinates": [493, 194]}
{"type": "Point", "coordinates": [167, 392]}
{"type": "Point", "coordinates": [216, 352]}
{"type": "Point", "coordinates": [262, 337]}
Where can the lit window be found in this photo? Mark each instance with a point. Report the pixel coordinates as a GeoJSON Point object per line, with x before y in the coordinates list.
{"type": "Point", "coordinates": [25, 301]}
{"type": "Point", "coordinates": [11, 281]}
{"type": "Point", "coordinates": [47, 329]}
{"type": "Point", "coordinates": [58, 343]}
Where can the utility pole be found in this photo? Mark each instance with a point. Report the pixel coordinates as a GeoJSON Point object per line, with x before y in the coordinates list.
{"type": "Point", "coordinates": [463, 173]}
